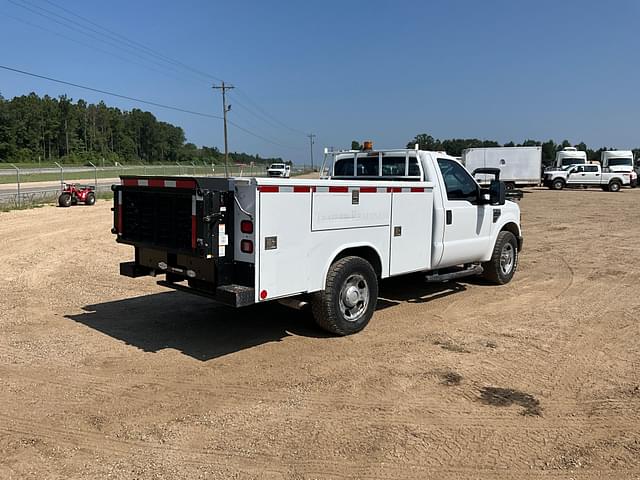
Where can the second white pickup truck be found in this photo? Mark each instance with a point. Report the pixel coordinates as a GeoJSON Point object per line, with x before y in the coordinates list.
{"type": "Point", "coordinates": [326, 241]}
{"type": "Point", "coordinates": [587, 175]}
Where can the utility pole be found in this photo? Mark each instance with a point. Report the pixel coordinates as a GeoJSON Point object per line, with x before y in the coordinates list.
{"type": "Point", "coordinates": [224, 87]}
{"type": "Point", "coordinates": [311, 142]}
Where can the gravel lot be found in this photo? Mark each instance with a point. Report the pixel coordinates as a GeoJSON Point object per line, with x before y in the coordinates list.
{"type": "Point", "coordinates": [107, 377]}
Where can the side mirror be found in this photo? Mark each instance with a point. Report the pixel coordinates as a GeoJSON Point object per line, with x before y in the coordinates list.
{"type": "Point", "coordinates": [497, 192]}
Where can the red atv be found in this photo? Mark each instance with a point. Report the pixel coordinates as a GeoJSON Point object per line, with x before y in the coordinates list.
{"type": "Point", "coordinates": [73, 193]}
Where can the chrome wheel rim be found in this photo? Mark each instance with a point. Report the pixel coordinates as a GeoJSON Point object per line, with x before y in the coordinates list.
{"type": "Point", "coordinates": [507, 258]}
{"type": "Point", "coordinates": [354, 297]}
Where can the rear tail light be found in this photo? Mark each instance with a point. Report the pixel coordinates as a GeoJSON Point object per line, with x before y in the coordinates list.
{"type": "Point", "coordinates": [246, 226]}
{"type": "Point", "coordinates": [246, 246]}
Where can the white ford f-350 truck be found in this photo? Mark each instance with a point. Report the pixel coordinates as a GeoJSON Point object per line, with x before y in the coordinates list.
{"type": "Point", "coordinates": [327, 241]}
{"type": "Point", "coordinates": [588, 175]}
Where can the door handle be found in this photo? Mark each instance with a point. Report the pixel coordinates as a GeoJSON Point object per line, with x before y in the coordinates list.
{"type": "Point", "coordinates": [449, 215]}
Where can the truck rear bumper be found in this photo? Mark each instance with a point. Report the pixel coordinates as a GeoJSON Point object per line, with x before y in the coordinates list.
{"type": "Point", "coordinates": [133, 270]}
{"type": "Point", "coordinates": [231, 295]}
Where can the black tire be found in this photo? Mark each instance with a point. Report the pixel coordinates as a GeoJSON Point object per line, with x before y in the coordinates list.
{"type": "Point", "coordinates": [64, 200]}
{"type": "Point", "coordinates": [614, 186]}
{"type": "Point", "coordinates": [331, 306]}
{"type": "Point", "coordinates": [509, 186]}
{"type": "Point", "coordinates": [91, 199]}
{"type": "Point", "coordinates": [495, 270]}
{"type": "Point", "coordinates": [557, 184]}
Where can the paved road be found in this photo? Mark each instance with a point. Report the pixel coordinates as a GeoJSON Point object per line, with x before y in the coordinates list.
{"type": "Point", "coordinates": [30, 171]}
{"type": "Point", "coordinates": [32, 187]}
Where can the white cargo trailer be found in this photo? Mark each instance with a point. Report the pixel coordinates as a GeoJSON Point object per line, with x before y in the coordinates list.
{"type": "Point", "coordinates": [519, 166]}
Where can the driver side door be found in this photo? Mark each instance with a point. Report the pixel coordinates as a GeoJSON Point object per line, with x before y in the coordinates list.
{"type": "Point", "coordinates": [467, 230]}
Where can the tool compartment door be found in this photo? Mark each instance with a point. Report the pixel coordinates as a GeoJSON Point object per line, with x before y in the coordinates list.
{"type": "Point", "coordinates": [283, 244]}
{"type": "Point", "coordinates": [411, 230]}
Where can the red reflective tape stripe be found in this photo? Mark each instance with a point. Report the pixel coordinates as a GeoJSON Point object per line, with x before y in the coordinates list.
{"type": "Point", "coordinates": [129, 182]}
{"type": "Point", "coordinates": [301, 189]}
{"type": "Point", "coordinates": [417, 189]}
{"type": "Point", "coordinates": [193, 232]}
{"type": "Point", "coordinates": [338, 189]}
{"type": "Point", "coordinates": [394, 189]}
{"type": "Point", "coordinates": [269, 188]}
{"type": "Point", "coordinates": [368, 189]}
{"type": "Point", "coordinates": [120, 218]}
{"type": "Point", "coordinates": [185, 184]}
{"type": "Point", "coordinates": [155, 182]}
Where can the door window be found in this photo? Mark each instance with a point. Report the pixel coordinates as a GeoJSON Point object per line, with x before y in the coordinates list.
{"type": "Point", "coordinates": [459, 184]}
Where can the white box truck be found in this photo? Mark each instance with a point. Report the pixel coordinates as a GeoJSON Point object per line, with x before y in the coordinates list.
{"type": "Point", "coordinates": [327, 241]}
{"type": "Point", "coordinates": [519, 166]}
{"type": "Point", "coordinates": [619, 161]}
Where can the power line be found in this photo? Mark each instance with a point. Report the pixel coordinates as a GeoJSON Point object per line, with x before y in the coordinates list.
{"type": "Point", "coordinates": [75, 26]}
{"type": "Point", "coordinates": [74, 40]}
{"type": "Point", "coordinates": [265, 113]}
{"type": "Point", "coordinates": [140, 50]}
{"type": "Point", "coordinates": [106, 92]}
{"type": "Point", "coordinates": [147, 102]}
{"type": "Point", "coordinates": [134, 42]}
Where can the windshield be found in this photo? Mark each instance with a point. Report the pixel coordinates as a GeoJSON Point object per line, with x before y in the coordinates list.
{"type": "Point", "coordinates": [277, 165]}
{"type": "Point", "coordinates": [567, 162]}
{"type": "Point", "coordinates": [620, 161]}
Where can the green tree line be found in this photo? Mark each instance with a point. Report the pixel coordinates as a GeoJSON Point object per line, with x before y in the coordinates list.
{"type": "Point", "coordinates": [59, 129]}
{"type": "Point", "coordinates": [455, 146]}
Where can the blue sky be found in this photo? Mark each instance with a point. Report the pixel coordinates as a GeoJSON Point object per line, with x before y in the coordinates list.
{"type": "Point", "coordinates": [381, 70]}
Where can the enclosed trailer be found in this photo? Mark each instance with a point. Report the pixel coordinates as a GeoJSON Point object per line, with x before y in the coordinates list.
{"type": "Point", "coordinates": [519, 166]}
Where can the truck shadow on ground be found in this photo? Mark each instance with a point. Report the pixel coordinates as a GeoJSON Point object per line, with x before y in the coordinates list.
{"type": "Point", "coordinates": [414, 289]}
{"type": "Point", "coordinates": [194, 326]}
{"type": "Point", "coordinates": [205, 330]}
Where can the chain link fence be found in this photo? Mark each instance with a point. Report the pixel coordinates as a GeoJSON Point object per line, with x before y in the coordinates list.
{"type": "Point", "coordinates": [24, 185]}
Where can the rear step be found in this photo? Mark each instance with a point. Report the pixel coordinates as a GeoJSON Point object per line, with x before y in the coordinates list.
{"type": "Point", "coordinates": [446, 277]}
{"type": "Point", "coordinates": [233, 295]}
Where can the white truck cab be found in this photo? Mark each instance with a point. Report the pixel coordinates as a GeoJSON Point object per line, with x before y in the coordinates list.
{"type": "Point", "coordinates": [570, 156]}
{"type": "Point", "coordinates": [327, 241]}
{"type": "Point", "coordinates": [619, 161]}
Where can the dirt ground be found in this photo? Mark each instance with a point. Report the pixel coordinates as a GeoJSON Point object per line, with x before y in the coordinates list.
{"type": "Point", "coordinates": [103, 376]}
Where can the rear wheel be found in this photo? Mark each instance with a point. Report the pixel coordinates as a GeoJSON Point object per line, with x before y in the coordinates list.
{"type": "Point", "coordinates": [509, 186]}
{"type": "Point", "coordinates": [614, 186]}
{"type": "Point", "coordinates": [504, 259]}
{"type": "Point", "coordinates": [64, 200]}
{"type": "Point", "coordinates": [349, 299]}
{"type": "Point", "coordinates": [91, 199]}
{"type": "Point", "coordinates": [558, 184]}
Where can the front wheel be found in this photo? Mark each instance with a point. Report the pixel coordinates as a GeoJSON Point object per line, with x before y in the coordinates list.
{"type": "Point", "coordinates": [349, 299]}
{"type": "Point", "coordinates": [91, 199]}
{"type": "Point", "coordinates": [64, 200]}
{"type": "Point", "coordinates": [558, 184]}
{"type": "Point", "coordinates": [504, 259]}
